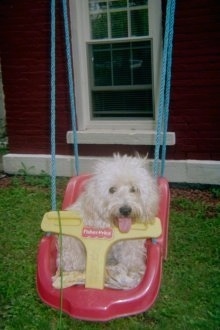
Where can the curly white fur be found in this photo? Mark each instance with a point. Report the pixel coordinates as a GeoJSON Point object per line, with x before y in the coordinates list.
{"type": "Point", "coordinates": [120, 191]}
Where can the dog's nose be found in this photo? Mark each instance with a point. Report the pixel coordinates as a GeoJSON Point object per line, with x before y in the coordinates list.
{"type": "Point", "coordinates": [125, 210]}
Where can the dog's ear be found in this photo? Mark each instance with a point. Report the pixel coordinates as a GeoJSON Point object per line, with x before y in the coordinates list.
{"type": "Point", "coordinates": [116, 155]}
{"type": "Point", "coordinates": [90, 202]}
{"type": "Point", "coordinates": [138, 155]}
{"type": "Point", "coordinates": [142, 160]}
{"type": "Point", "coordinates": [151, 198]}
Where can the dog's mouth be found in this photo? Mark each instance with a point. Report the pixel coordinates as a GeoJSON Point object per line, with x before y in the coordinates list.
{"type": "Point", "coordinates": [124, 224]}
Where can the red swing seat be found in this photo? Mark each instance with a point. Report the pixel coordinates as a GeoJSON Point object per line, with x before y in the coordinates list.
{"type": "Point", "coordinates": [103, 305]}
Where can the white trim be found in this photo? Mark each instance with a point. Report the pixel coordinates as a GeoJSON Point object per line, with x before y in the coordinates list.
{"type": "Point", "coordinates": [80, 62]}
{"type": "Point", "coordinates": [127, 137]}
{"type": "Point", "coordinates": [190, 171]}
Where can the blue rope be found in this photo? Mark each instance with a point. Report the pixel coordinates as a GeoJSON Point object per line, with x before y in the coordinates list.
{"type": "Point", "coordinates": [163, 110]}
{"type": "Point", "coordinates": [53, 104]}
{"type": "Point", "coordinates": [168, 84]}
{"type": "Point", "coordinates": [71, 85]}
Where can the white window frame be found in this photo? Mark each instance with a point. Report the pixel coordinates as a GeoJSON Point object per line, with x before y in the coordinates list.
{"type": "Point", "coordinates": [89, 129]}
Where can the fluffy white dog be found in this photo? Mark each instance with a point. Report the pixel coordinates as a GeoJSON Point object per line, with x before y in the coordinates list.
{"type": "Point", "coordinates": [120, 191]}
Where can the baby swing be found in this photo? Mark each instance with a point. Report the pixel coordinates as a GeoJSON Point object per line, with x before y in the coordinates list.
{"type": "Point", "coordinates": [91, 301]}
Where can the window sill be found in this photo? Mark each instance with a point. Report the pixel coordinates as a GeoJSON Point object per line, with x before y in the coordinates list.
{"type": "Point", "coordinates": [126, 137]}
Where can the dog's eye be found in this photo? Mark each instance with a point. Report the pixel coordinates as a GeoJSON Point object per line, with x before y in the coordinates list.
{"type": "Point", "coordinates": [112, 190]}
{"type": "Point", "coordinates": [133, 189]}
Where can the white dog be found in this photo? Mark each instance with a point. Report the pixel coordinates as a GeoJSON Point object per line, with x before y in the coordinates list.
{"type": "Point", "coordinates": [120, 191]}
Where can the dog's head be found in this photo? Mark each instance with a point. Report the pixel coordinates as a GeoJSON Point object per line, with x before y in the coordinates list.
{"type": "Point", "coordinates": [121, 192]}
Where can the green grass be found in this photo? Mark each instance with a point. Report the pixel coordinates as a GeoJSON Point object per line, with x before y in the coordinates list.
{"type": "Point", "coordinates": [189, 295]}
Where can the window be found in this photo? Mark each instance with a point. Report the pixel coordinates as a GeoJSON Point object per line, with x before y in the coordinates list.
{"type": "Point", "coordinates": [116, 59]}
{"type": "Point", "coordinates": [121, 75]}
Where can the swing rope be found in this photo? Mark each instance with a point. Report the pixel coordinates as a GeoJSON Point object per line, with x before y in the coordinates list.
{"type": "Point", "coordinates": [53, 131]}
{"type": "Point", "coordinates": [53, 96]}
{"type": "Point", "coordinates": [71, 84]}
{"type": "Point", "coordinates": [53, 104]}
{"type": "Point", "coordinates": [164, 98]}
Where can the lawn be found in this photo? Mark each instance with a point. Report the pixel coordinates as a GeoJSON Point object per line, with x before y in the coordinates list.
{"type": "Point", "coordinates": [189, 295]}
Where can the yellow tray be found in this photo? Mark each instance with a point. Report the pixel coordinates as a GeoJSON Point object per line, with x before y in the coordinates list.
{"type": "Point", "coordinates": [96, 241]}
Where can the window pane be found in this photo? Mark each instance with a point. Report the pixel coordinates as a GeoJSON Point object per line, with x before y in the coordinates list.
{"type": "Point", "coordinates": [118, 4]}
{"type": "Point", "coordinates": [141, 63]}
{"type": "Point", "coordinates": [102, 65]}
{"type": "Point", "coordinates": [119, 25]}
{"type": "Point", "coordinates": [121, 64]}
{"type": "Point", "coordinates": [133, 3]}
{"type": "Point", "coordinates": [95, 5]}
{"type": "Point", "coordinates": [99, 26]}
{"type": "Point", "coordinates": [139, 22]}
{"type": "Point", "coordinates": [118, 18]}
{"type": "Point", "coordinates": [122, 104]}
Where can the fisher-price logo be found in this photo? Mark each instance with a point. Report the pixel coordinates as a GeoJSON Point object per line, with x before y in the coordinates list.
{"type": "Point", "coordinates": [90, 232]}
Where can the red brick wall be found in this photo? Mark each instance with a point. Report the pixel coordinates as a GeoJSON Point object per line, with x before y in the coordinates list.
{"type": "Point", "coordinates": [25, 57]}
{"type": "Point", "coordinates": [195, 102]}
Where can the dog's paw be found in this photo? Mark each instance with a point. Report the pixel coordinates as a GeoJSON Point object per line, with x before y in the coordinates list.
{"type": "Point", "coordinates": [119, 277]}
{"type": "Point", "coordinates": [68, 279]}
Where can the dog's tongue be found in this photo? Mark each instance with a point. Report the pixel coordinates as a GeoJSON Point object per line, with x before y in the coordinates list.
{"type": "Point", "coordinates": [124, 224]}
